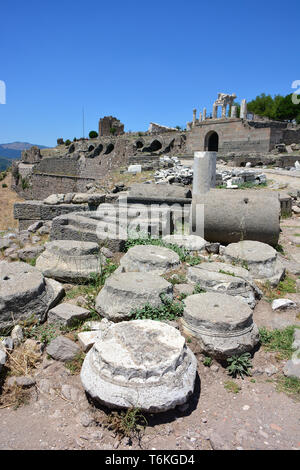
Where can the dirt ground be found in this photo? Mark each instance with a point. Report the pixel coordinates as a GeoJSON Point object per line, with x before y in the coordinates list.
{"type": "Point", "coordinates": [7, 200]}
{"type": "Point", "coordinates": [58, 414]}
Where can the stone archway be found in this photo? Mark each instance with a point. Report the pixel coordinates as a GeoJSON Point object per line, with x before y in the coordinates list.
{"type": "Point", "coordinates": [211, 143]}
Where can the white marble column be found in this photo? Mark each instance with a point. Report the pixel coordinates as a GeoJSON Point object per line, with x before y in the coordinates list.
{"type": "Point", "coordinates": [243, 113]}
{"type": "Point", "coordinates": [233, 111]}
{"type": "Point", "coordinates": [204, 114]}
{"type": "Point", "coordinates": [215, 112]}
{"type": "Point", "coordinates": [194, 117]}
{"type": "Point", "coordinates": [223, 111]}
{"type": "Point", "coordinates": [204, 176]}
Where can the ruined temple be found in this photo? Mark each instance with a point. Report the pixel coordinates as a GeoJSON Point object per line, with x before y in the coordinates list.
{"type": "Point", "coordinates": [74, 167]}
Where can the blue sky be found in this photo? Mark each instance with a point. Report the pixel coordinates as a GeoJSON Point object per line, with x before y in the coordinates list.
{"type": "Point", "coordinates": [140, 61]}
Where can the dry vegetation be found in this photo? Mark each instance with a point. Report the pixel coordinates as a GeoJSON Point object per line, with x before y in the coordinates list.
{"type": "Point", "coordinates": [7, 199]}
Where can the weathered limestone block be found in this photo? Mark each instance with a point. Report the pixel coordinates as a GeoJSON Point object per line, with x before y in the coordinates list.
{"type": "Point", "coordinates": [225, 279]}
{"type": "Point", "coordinates": [292, 367]}
{"type": "Point", "coordinates": [30, 252]}
{"type": "Point", "coordinates": [71, 261]}
{"type": "Point", "coordinates": [188, 242]}
{"type": "Point", "coordinates": [222, 323]}
{"type": "Point", "coordinates": [87, 339]}
{"type": "Point", "coordinates": [67, 314]}
{"type": "Point", "coordinates": [141, 363]}
{"type": "Point", "coordinates": [259, 258]}
{"type": "Point", "coordinates": [125, 292]}
{"type": "Point", "coordinates": [63, 349]}
{"type": "Point", "coordinates": [143, 258]}
{"type": "Point", "coordinates": [24, 292]}
{"type": "Point", "coordinates": [159, 191]}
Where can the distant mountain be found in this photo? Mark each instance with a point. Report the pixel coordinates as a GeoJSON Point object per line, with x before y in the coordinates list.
{"type": "Point", "coordinates": [4, 163]}
{"type": "Point", "coordinates": [14, 149]}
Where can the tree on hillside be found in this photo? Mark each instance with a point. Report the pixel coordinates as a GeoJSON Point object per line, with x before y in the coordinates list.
{"type": "Point", "coordinates": [279, 108]}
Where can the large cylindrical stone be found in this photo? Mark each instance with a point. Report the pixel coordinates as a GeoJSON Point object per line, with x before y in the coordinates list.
{"type": "Point", "coordinates": [234, 215]}
{"type": "Point", "coordinates": [149, 258]}
{"type": "Point", "coordinates": [142, 363]}
{"type": "Point", "coordinates": [70, 260]}
{"type": "Point", "coordinates": [24, 293]}
{"type": "Point", "coordinates": [124, 292]}
{"type": "Point", "coordinates": [259, 258]}
{"type": "Point", "coordinates": [223, 324]}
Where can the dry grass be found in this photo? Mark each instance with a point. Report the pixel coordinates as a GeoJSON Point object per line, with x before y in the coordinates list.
{"type": "Point", "coordinates": [128, 178]}
{"type": "Point", "coordinates": [7, 200]}
{"type": "Point", "coordinates": [22, 360]}
{"type": "Point", "coordinates": [14, 396]}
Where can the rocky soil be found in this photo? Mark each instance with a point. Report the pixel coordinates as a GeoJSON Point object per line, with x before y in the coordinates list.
{"type": "Point", "coordinates": [49, 409]}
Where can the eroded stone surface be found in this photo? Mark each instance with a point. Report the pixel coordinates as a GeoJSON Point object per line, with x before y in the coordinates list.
{"type": "Point", "coordinates": [225, 278]}
{"type": "Point", "coordinates": [259, 258]}
{"type": "Point", "coordinates": [24, 292]}
{"type": "Point", "coordinates": [222, 323]}
{"type": "Point", "coordinates": [67, 314]}
{"type": "Point", "coordinates": [69, 260]}
{"type": "Point", "coordinates": [124, 292]}
{"type": "Point", "coordinates": [63, 349]}
{"type": "Point", "coordinates": [143, 258]}
{"type": "Point", "coordinates": [143, 364]}
{"type": "Point", "coordinates": [189, 242]}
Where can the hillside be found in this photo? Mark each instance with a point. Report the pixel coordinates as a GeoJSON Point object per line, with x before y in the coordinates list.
{"type": "Point", "coordinates": [4, 163]}
{"type": "Point", "coordinates": [12, 151]}
{"type": "Point", "coordinates": [7, 200]}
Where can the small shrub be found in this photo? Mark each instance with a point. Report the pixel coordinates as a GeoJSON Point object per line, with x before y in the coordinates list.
{"type": "Point", "coordinates": [232, 386]}
{"type": "Point", "coordinates": [4, 185]}
{"type": "Point", "coordinates": [68, 142]}
{"type": "Point", "coordinates": [130, 423]}
{"type": "Point", "coordinates": [198, 289]}
{"type": "Point", "coordinates": [239, 365]}
{"type": "Point", "coordinates": [145, 239]}
{"type": "Point", "coordinates": [93, 135]}
{"type": "Point", "coordinates": [207, 361]}
{"type": "Point", "coordinates": [168, 310]}
{"type": "Point", "coordinates": [24, 183]}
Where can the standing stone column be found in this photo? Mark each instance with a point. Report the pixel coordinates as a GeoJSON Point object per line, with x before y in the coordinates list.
{"type": "Point", "coordinates": [204, 172]}
{"type": "Point", "coordinates": [204, 178]}
{"type": "Point", "coordinates": [194, 116]}
{"type": "Point", "coordinates": [233, 111]}
{"type": "Point", "coordinates": [200, 117]}
{"type": "Point", "coordinates": [243, 114]}
{"type": "Point", "coordinates": [223, 111]}
{"type": "Point", "coordinates": [215, 111]}
{"type": "Point", "coordinates": [204, 114]}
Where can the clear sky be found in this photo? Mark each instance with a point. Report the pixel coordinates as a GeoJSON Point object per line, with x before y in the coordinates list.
{"type": "Point", "coordinates": [140, 61]}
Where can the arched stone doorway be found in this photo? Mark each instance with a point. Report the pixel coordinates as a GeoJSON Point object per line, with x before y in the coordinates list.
{"type": "Point", "coordinates": [211, 142]}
